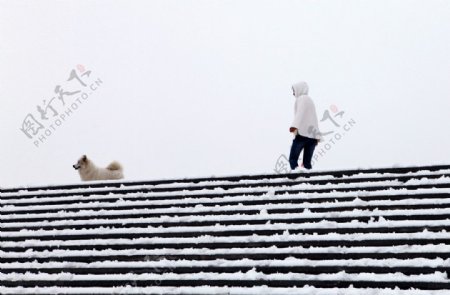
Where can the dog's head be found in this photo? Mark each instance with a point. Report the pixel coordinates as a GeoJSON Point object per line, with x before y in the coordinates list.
{"type": "Point", "coordinates": [82, 162]}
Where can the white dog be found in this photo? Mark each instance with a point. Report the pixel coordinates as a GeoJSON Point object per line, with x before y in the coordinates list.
{"type": "Point", "coordinates": [88, 170]}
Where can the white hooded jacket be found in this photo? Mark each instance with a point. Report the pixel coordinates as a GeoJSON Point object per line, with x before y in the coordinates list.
{"type": "Point", "coordinates": [305, 117]}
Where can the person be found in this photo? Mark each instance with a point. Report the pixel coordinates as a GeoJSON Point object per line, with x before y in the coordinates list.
{"type": "Point", "coordinates": [305, 127]}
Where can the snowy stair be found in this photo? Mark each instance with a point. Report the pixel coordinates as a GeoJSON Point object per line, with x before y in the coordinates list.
{"type": "Point", "coordinates": [375, 231]}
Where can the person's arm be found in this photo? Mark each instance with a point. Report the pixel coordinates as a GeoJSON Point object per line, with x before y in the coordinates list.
{"type": "Point", "coordinates": [293, 129]}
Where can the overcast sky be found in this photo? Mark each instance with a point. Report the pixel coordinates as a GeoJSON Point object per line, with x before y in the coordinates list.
{"type": "Point", "coordinates": [200, 88]}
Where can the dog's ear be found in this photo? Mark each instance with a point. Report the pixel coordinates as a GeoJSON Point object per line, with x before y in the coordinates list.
{"type": "Point", "coordinates": [84, 158]}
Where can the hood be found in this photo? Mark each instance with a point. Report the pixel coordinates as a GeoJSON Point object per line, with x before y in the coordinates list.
{"type": "Point", "coordinates": [300, 88]}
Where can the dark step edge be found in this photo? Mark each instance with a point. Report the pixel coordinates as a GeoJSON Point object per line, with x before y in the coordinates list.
{"type": "Point", "coordinates": [407, 270]}
{"type": "Point", "coordinates": [233, 256]}
{"type": "Point", "coordinates": [404, 285]}
{"type": "Point", "coordinates": [247, 245]}
{"type": "Point", "coordinates": [229, 233]}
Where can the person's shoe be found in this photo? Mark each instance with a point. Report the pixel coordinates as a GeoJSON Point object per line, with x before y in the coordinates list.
{"type": "Point", "coordinates": [297, 169]}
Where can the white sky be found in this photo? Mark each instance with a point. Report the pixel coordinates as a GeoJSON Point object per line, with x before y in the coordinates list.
{"type": "Point", "coordinates": [200, 88]}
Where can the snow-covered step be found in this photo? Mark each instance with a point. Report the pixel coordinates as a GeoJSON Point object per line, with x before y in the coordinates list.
{"type": "Point", "coordinates": [269, 228]}
{"type": "Point", "coordinates": [230, 232]}
{"type": "Point", "coordinates": [435, 281]}
{"type": "Point", "coordinates": [411, 266]}
{"type": "Point", "coordinates": [220, 194]}
{"type": "Point", "coordinates": [426, 206]}
{"type": "Point", "coordinates": [365, 229]}
{"type": "Point", "coordinates": [423, 184]}
{"type": "Point", "coordinates": [303, 175]}
{"type": "Point", "coordinates": [320, 226]}
{"type": "Point", "coordinates": [406, 252]}
{"type": "Point", "coordinates": [5, 209]}
{"type": "Point", "coordinates": [207, 290]}
{"type": "Point", "coordinates": [48, 221]}
{"type": "Point", "coordinates": [253, 241]}
{"type": "Point", "coordinates": [63, 196]}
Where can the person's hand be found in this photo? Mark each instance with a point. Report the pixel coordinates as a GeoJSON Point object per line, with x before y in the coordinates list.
{"type": "Point", "coordinates": [292, 129]}
{"type": "Point", "coordinates": [317, 141]}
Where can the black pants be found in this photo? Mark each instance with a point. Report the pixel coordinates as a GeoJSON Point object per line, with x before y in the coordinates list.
{"type": "Point", "coordinates": [298, 144]}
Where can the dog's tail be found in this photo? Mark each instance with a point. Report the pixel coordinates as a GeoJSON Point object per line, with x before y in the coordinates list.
{"type": "Point", "coordinates": [114, 166]}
